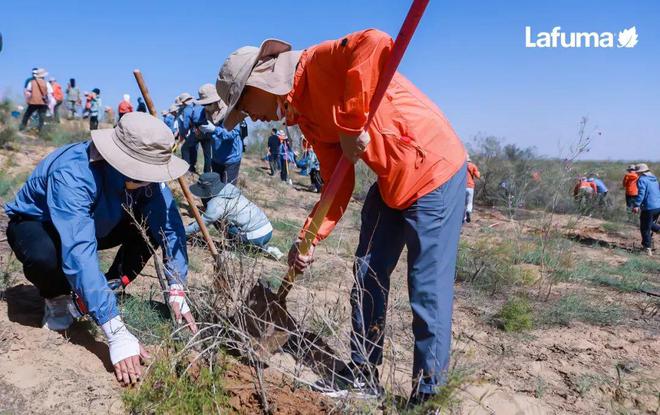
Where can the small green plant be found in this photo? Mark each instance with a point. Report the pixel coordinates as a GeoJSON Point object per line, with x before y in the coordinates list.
{"type": "Point", "coordinates": [516, 315]}
{"type": "Point", "coordinates": [8, 135]}
{"type": "Point", "coordinates": [168, 388]}
{"type": "Point", "coordinates": [147, 318]}
{"type": "Point", "coordinates": [445, 400]}
{"type": "Point", "coordinates": [577, 307]}
{"type": "Point", "coordinates": [612, 227]}
{"type": "Point", "coordinates": [60, 136]}
{"type": "Point", "coordinates": [540, 387]}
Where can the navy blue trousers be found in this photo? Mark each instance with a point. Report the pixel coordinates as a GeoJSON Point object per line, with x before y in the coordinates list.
{"type": "Point", "coordinates": [430, 229]}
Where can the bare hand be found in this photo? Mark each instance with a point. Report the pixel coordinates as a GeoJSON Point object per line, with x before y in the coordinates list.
{"type": "Point", "coordinates": [353, 146]}
{"type": "Point", "coordinates": [300, 262]}
{"type": "Point", "coordinates": [635, 209]}
{"type": "Point", "coordinates": [129, 370]}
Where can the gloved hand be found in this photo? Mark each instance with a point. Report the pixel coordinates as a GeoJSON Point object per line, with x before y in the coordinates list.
{"type": "Point", "coordinates": [177, 299]}
{"type": "Point", "coordinates": [353, 147]}
{"type": "Point", "coordinates": [208, 128]}
{"type": "Point", "coordinates": [125, 351]}
{"type": "Point", "coordinates": [300, 262]}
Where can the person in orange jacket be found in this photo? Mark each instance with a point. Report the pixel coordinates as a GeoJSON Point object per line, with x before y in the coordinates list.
{"type": "Point", "coordinates": [125, 106]}
{"type": "Point", "coordinates": [630, 186]}
{"type": "Point", "coordinates": [472, 174]}
{"type": "Point", "coordinates": [418, 200]}
{"type": "Point", "coordinates": [58, 95]}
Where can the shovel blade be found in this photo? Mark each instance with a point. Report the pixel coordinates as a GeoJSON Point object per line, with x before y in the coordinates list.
{"type": "Point", "coordinates": [268, 320]}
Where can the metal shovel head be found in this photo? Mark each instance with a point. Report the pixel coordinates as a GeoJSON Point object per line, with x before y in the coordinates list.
{"type": "Point", "coordinates": [267, 319]}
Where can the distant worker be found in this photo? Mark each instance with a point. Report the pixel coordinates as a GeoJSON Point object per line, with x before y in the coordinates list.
{"type": "Point", "coordinates": [38, 94]}
{"type": "Point", "coordinates": [169, 117]}
{"type": "Point", "coordinates": [190, 116]}
{"type": "Point", "coordinates": [95, 109]}
{"type": "Point", "coordinates": [142, 107]}
{"type": "Point", "coordinates": [630, 186]}
{"type": "Point", "coordinates": [274, 147]}
{"type": "Point", "coordinates": [647, 203]}
{"type": "Point", "coordinates": [124, 107]}
{"type": "Point", "coordinates": [584, 189]}
{"type": "Point", "coordinates": [601, 189]}
{"type": "Point", "coordinates": [314, 169]}
{"type": "Point", "coordinates": [244, 222]}
{"type": "Point", "coordinates": [58, 96]}
{"type": "Point", "coordinates": [88, 104]}
{"type": "Point", "coordinates": [286, 156]}
{"type": "Point", "coordinates": [472, 175]}
{"type": "Point", "coordinates": [244, 132]}
{"type": "Point", "coordinates": [28, 80]}
{"type": "Point", "coordinates": [109, 115]}
{"type": "Point", "coordinates": [227, 145]}
{"type": "Point", "coordinates": [72, 99]}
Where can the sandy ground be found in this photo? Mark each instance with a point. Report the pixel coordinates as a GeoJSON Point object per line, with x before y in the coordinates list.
{"type": "Point", "coordinates": [550, 370]}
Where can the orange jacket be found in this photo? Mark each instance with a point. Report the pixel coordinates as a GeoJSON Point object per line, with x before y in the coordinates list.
{"type": "Point", "coordinates": [584, 184]}
{"type": "Point", "coordinates": [124, 107]}
{"type": "Point", "coordinates": [57, 91]}
{"type": "Point", "coordinates": [413, 148]}
{"type": "Point", "coordinates": [630, 183]}
{"type": "Point", "coordinates": [473, 173]}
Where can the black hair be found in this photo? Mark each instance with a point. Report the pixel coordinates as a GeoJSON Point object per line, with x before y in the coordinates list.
{"type": "Point", "coordinates": [96, 91]}
{"type": "Point", "coordinates": [72, 82]}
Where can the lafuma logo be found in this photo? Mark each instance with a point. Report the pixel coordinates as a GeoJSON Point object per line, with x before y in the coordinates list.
{"type": "Point", "coordinates": [626, 38]}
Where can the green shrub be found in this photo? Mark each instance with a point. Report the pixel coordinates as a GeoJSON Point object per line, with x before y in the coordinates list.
{"type": "Point", "coordinates": [59, 136]}
{"type": "Point", "coordinates": [574, 307]}
{"type": "Point", "coordinates": [515, 315]}
{"type": "Point", "coordinates": [147, 316]}
{"type": "Point", "coordinates": [168, 389]}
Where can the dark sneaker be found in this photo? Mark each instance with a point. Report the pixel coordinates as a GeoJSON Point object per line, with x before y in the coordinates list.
{"type": "Point", "coordinates": [468, 219]}
{"type": "Point", "coordinates": [355, 381]}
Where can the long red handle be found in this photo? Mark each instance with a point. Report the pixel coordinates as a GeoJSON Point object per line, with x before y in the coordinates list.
{"type": "Point", "coordinates": [343, 167]}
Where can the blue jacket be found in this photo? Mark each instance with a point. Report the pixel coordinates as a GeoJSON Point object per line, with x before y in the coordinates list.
{"type": "Point", "coordinates": [648, 196]}
{"type": "Point", "coordinates": [191, 116]}
{"type": "Point", "coordinates": [600, 185]}
{"type": "Point", "coordinates": [83, 199]}
{"type": "Point", "coordinates": [227, 145]}
{"type": "Point", "coordinates": [169, 120]}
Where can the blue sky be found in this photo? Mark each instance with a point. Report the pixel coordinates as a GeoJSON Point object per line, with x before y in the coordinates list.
{"type": "Point", "coordinates": [469, 57]}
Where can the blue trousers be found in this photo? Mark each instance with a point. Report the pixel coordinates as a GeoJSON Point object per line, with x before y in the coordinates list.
{"type": "Point", "coordinates": [430, 229]}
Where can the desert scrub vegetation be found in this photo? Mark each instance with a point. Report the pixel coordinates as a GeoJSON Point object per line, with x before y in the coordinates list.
{"type": "Point", "coordinates": [578, 307]}
{"type": "Point", "coordinates": [171, 387]}
{"type": "Point", "coordinates": [516, 315]}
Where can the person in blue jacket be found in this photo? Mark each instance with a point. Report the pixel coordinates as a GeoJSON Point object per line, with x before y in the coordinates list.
{"type": "Point", "coordinates": [190, 119]}
{"type": "Point", "coordinates": [227, 145]}
{"type": "Point", "coordinates": [169, 117]}
{"type": "Point", "coordinates": [647, 204]}
{"type": "Point", "coordinates": [87, 197]}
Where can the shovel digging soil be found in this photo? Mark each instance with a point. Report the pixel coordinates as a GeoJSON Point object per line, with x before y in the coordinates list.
{"type": "Point", "coordinates": [268, 319]}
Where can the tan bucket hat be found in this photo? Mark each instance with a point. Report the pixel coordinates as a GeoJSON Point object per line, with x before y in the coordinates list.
{"type": "Point", "coordinates": [40, 73]}
{"type": "Point", "coordinates": [236, 70]}
{"type": "Point", "coordinates": [207, 95]}
{"type": "Point", "coordinates": [641, 168]}
{"type": "Point", "coordinates": [140, 148]}
{"type": "Point", "coordinates": [173, 109]}
{"type": "Point", "coordinates": [185, 98]}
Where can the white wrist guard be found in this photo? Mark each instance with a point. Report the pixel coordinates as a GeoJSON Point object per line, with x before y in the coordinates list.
{"type": "Point", "coordinates": [121, 342]}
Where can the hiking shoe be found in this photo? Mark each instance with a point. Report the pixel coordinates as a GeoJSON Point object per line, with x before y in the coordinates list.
{"type": "Point", "coordinates": [649, 251]}
{"type": "Point", "coordinates": [56, 314]}
{"type": "Point", "coordinates": [355, 381]}
{"type": "Point", "coordinates": [274, 252]}
{"type": "Point", "coordinates": [468, 219]}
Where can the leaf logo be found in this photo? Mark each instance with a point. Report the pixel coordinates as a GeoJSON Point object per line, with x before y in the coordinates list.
{"type": "Point", "coordinates": [628, 38]}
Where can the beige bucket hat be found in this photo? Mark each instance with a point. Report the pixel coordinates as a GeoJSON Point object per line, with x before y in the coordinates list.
{"type": "Point", "coordinates": [207, 95]}
{"type": "Point", "coordinates": [185, 98]}
{"type": "Point", "coordinates": [40, 73]}
{"type": "Point", "coordinates": [140, 148]}
{"type": "Point", "coordinates": [641, 168]}
{"type": "Point", "coordinates": [173, 109]}
{"type": "Point", "coordinates": [237, 68]}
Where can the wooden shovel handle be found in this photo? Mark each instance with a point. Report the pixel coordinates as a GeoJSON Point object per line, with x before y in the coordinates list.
{"type": "Point", "coordinates": [343, 167]}
{"type": "Point", "coordinates": [182, 182]}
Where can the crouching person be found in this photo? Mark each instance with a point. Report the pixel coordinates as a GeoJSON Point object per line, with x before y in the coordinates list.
{"type": "Point", "coordinates": [77, 202]}
{"type": "Point", "coordinates": [245, 222]}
